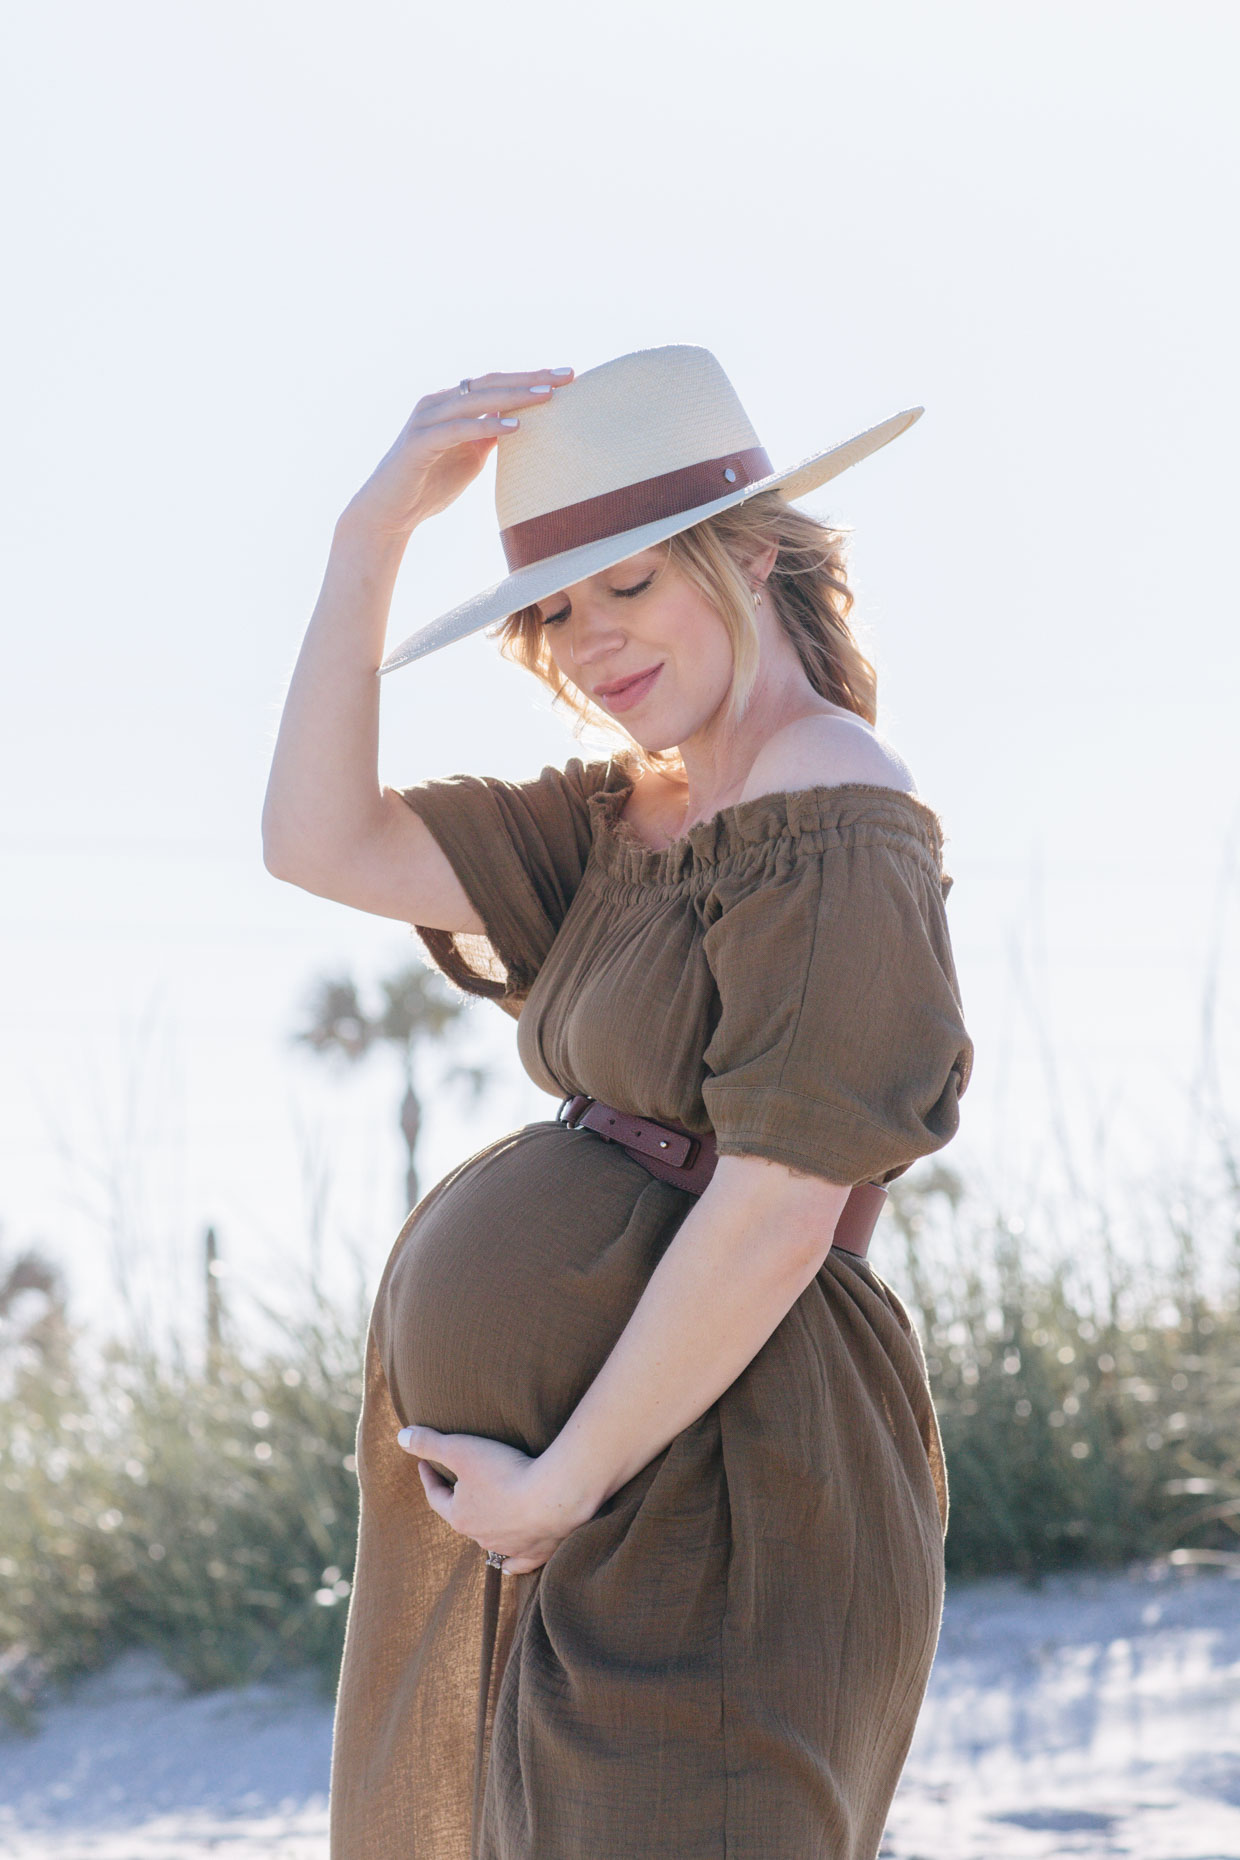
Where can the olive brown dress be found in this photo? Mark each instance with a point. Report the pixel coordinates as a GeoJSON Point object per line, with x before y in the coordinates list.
{"type": "Point", "coordinates": [726, 1662]}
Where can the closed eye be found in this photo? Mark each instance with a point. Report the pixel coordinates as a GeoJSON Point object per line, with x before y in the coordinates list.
{"type": "Point", "coordinates": [628, 593]}
{"type": "Point", "coordinates": [624, 594]}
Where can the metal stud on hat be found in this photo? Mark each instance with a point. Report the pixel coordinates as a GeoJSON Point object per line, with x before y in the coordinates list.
{"type": "Point", "coordinates": [622, 457]}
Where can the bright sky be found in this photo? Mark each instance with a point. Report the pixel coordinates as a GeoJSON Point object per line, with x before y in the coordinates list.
{"type": "Point", "coordinates": [243, 239]}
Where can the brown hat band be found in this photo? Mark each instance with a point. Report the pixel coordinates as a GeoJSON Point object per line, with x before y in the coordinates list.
{"type": "Point", "coordinates": [666, 495]}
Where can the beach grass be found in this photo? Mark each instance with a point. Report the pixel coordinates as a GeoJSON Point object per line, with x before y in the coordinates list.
{"type": "Point", "coordinates": [207, 1506]}
{"type": "Point", "coordinates": [209, 1512]}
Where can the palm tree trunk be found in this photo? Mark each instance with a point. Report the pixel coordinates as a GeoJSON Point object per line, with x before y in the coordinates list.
{"type": "Point", "coordinates": [410, 1124]}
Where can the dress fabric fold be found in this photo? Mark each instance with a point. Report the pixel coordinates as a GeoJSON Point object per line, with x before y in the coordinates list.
{"type": "Point", "coordinates": [726, 1662]}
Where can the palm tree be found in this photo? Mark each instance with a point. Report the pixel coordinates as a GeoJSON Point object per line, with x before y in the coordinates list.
{"type": "Point", "coordinates": [415, 1010]}
{"type": "Point", "coordinates": [34, 1318]}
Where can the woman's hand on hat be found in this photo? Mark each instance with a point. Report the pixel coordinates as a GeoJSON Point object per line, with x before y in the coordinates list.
{"type": "Point", "coordinates": [501, 1498]}
{"type": "Point", "coordinates": [444, 444]}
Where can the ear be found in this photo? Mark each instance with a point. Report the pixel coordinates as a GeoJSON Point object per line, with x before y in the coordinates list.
{"type": "Point", "coordinates": [760, 566]}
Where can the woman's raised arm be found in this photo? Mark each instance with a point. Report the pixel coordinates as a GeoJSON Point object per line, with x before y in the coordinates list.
{"type": "Point", "coordinates": [328, 826]}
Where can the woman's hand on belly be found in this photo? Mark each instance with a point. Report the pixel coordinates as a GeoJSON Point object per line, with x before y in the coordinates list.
{"type": "Point", "coordinates": [501, 1498]}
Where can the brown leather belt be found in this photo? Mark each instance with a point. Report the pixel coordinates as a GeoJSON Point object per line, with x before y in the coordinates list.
{"type": "Point", "coordinates": [687, 1159]}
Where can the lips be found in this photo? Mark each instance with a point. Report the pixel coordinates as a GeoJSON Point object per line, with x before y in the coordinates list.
{"type": "Point", "coordinates": [619, 686]}
{"type": "Point", "coordinates": [632, 692]}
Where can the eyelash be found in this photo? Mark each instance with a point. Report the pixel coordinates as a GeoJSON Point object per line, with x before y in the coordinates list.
{"type": "Point", "coordinates": [625, 594]}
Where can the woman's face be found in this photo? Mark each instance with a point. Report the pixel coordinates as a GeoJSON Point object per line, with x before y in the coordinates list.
{"type": "Point", "coordinates": [642, 617]}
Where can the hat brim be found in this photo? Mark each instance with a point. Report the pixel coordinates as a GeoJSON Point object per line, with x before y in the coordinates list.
{"type": "Point", "coordinates": [527, 585]}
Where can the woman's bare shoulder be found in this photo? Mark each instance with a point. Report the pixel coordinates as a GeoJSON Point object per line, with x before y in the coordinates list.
{"type": "Point", "coordinates": [824, 751]}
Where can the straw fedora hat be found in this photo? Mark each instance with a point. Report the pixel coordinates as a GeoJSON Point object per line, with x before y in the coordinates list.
{"type": "Point", "coordinates": [621, 457]}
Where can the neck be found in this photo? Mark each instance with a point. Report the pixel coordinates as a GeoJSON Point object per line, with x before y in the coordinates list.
{"type": "Point", "coordinates": [718, 758]}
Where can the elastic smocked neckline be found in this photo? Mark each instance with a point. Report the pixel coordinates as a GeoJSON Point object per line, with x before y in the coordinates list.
{"type": "Point", "coordinates": [834, 812]}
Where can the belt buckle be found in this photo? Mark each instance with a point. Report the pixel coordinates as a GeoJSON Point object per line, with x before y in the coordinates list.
{"type": "Point", "coordinates": [564, 1104]}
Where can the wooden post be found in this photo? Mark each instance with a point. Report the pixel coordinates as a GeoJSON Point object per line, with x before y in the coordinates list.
{"type": "Point", "coordinates": [214, 1307]}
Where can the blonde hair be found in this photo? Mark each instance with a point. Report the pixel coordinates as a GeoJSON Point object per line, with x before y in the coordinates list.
{"type": "Point", "coordinates": [808, 587]}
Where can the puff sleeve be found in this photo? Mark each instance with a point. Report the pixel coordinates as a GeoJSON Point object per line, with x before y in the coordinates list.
{"type": "Point", "coordinates": [840, 1047]}
{"type": "Point", "coordinates": [519, 850]}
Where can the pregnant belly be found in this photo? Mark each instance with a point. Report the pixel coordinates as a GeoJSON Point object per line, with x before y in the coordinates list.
{"type": "Point", "coordinates": [511, 1280]}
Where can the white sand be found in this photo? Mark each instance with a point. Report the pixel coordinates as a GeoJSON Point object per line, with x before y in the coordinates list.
{"type": "Point", "coordinates": [1099, 1716]}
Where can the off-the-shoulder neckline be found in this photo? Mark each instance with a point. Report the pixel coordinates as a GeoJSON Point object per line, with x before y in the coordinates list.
{"type": "Point", "coordinates": [763, 817]}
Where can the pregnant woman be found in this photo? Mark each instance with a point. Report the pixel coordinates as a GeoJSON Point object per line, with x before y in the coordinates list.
{"type": "Point", "coordinates": [651, 1550]}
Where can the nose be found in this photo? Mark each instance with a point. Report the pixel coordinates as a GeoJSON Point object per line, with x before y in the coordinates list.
{"type": "Point", "coordinates": [593, 633]}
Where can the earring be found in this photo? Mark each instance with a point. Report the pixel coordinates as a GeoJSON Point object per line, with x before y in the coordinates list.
{"type": "Point", "coordinates": [757, 597]}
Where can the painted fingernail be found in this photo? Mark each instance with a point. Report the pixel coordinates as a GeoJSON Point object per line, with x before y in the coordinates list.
{"type": "Point", "coordinates": [561, 371]}
{"type": "Point", "coordinates": [404, 1437]}
{"type": "Point", "coordinates": [510, 420]}
{"type": "Point", "coordinates": [542, 388]}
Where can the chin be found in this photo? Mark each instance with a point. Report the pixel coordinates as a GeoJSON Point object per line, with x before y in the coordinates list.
{"type": "Point", "coordinates": [652, 742]}
{"type": "Point", "coordinates": [656, 742]}
{"type": "Point", "coordinates": [659, 735]}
